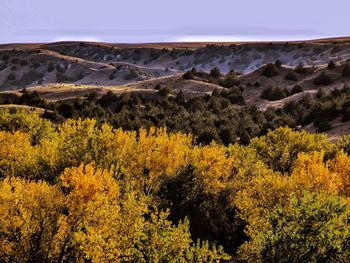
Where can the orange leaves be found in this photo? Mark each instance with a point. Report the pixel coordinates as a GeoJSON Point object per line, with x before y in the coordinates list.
{"type": "Point", "coordinates": [341, 166]}
{"type": "Point", "coordinates": [85, 184]}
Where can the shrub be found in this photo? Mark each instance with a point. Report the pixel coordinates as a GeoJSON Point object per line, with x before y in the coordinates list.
{"type": "Point", "coordinates": [2, 67]}
{"type": "Point", "coordinates": [215, 72]}
{"type": "Point", "coordinates": [11, 76]}
{"type": "Point", "coordinates": [50, 67]}
{"type": "Point", "coordinates": [229, 82]}
{"type": "Point", "coordinates": [311, 229]}
{"type": "Point", "coordinates": [301, 69]}
{"type": "Point", "coordinates": [65, 110]}
{"type": "Point", "coordinates": [35, 64]}
{"type": "Point", "coordinates": [165, 91]}
{"type": "Point", "coordinates": [23, 62]}
{"type": "Point", "coordinates": [270, 71]}
{"type": "Point", "coordinates": [131, 75]}
{"type": "Point", "coordinates": [346, 71]}
{"type": "Point", "coordinates": [331, 64]}
{"type": "Point", "coordinates": [5, 57]}
{"type": "Point", "coordinates": [188, 75]}
{"type": "Point", "coordinates": [291, 76]}
{"type": "Point", "coordinates": [324, 126]}
{"type": "Point", "coordinates": [296, 89]}
{"type": "Point", "coordinates": [323, 80]}
{"type": "Point", "coordinates": [274, 93]}
{"type": "Point", "coordinates": [278, 63]}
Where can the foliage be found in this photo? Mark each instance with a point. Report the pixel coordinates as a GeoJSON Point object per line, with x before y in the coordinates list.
{"type": "Point", "coordinates": [215, 72]}
{"type": "Point", "coordinates": [323, 79]}
{"type": "Point", "coordinates": [84, 191]}
{"type": "Point", "coordinates": [274, 93]}
{"type": "Point", "coordinates": [311, 228]}
{"type": "Point", "coordinates": [331, 65]}
{"type": "Point", "coordinates": [270, 71]}
{"type": "Point", "coordinates": [279, 148]}
{"type": "Point", "coordinates": [291, 76]}
{"type": "Point", "coordinates": [346, 70]}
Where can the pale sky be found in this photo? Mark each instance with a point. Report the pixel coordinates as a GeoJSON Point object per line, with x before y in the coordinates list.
{"type": "Point", "coordinates": [162, 20]}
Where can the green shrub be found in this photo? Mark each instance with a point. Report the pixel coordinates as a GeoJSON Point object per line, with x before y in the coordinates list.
{"type": "Point", "coordinates": [131, 75]}
{"type": "Point", "coordinates": [291, 76]}
{"type": "Point", "coordinates": [323, 80]}
{"type": "Point", "coordinates": [165, 91]}
{"type": "Point", "coordinates": [301, 69]}
{"type": "Point", "coordinates": [324, 126]}
{"type": "Point", "coordinates": [50, 67]}
{"type": "Point", "coordinates": [296, 89]}
{"type": "Point", "coordinates": [331, 65]}
{"type": "Point", "coordinates": [270, 71]}
{"type": "Point", "coordinates": [346, 70]}
{"type": "Point", "coordinates": [278, 63]}
{"type": "Point", "coordinates": [274, 93]}
{"type": "Point", "coordinates": [23, 62]}
{"type": "Point", "coordinates": [188, 75]}
{"type": "Point", "coordinates": [11, 76]}
{"type": "Point", "coordinates": [215, 72]}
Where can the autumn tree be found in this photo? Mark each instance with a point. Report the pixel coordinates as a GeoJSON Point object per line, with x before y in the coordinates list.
{"type": "Point", "coordinates": [312, 228]}
{"type": "Point", "coordinates": [279, 148]}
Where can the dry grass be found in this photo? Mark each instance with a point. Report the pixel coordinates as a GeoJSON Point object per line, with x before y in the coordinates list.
{"type": "Point", "coordinates": [54, 92]}
{"type": "Point", "coordinates": [22, 107]}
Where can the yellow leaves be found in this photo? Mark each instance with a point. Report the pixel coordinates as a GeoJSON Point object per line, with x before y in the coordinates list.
{"type": "Point", "coordinates": [99, 219]}
{"type": "Point", "coordinates": [17, 155]}
{"type": "Point", "coordinates": [158, 154]}
{"type": "Point", "coordinates": [29, 220]}
{"type": "Point", "coordinates": [26, 121]}
{"type": "Point", "coordinates": [341, 166]}
{"type": "Point", "coordinates": [112, 149]}
{"type": "Point", "coordinates": [263, 194]}
{"type": "Point", "coordinates": [279, 148]}
{"type": "Point", "coordinates": [88, 190]}
{"type": "Point", "coordinates": [310, 173]}
{"type": "Point", "coordinates": [85, 183]}
{"type": "Point", "coordinates": [108, 181]}
{"type": "Point", "coordinates": [162, 241]}
{"type": "Point", "coordinates": [213, 166]}
{"type": "Point", "coordinates": [74, 142]}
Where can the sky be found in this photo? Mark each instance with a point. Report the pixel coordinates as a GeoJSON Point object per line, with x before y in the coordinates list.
{"type": "Point", "coordinates": [142, 21]}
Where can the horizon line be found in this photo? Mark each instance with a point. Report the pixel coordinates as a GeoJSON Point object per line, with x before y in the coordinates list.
{"type": "Point", "coordinates": [242, 41]}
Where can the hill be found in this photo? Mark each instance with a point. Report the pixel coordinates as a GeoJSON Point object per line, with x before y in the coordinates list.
{"type": "Point", "coordinates": [199, 78]}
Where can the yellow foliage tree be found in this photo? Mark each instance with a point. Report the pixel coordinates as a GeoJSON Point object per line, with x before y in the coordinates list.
{"type": "Point", "coordinates": [212, 166]}
{"type": "Point", "coordinates": [340, 165]}
{"type": "Point", "coordinates": [30, 219]}
{"type": "Point", "coordinates": [280, 148]}
{"type": "Point", "coordinates": [26, 121]}
{"type": "Point", "coordinates": [17, 155]}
